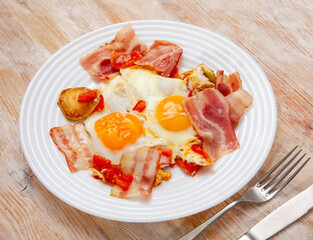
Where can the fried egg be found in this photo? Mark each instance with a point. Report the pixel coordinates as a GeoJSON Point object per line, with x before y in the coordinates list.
{"type": "Point", "coordinates": [119, 129]}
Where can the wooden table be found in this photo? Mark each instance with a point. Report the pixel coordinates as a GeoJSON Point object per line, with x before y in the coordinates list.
{"type": "Point", "coordinates": [277, 34]}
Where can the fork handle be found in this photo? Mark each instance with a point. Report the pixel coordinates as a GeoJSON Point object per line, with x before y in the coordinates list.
{"type": "Point", "coordinates": [197, 231]}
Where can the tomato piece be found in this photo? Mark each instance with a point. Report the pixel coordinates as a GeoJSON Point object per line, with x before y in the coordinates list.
{"type": "Point", "coordinates": [100, 105]}
{"type": "Point", "coordinates": [167, 152]}
{"type": "Point", "coordinates": [96, 177]}
{"type": "Point", "coordinates": [198, 149]}
{"type": "Point", "coordinates": [190, 168]}
{"type": "Point", "coordinates": [101, 163]}
{"type": "Point", "coordinates": [140, 106]}
{"type": "Point", "coordinates": [87, 96]}
{"type": "Point", "coordinates": [121, 60]}
{"type": "Point", "coordinates": [118, 177]}
{"type": "Point", "coordinates": [111, 173]}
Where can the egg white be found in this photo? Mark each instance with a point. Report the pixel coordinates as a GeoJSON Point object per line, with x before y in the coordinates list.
{"type": "Point", "coordinates": [123, 92]}
{"type": "Point", "coordinates": [153, 88]}
{"type": "Point", "coordinates": [148, 86]}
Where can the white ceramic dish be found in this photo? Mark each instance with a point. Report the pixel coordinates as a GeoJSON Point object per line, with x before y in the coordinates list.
{"type": "Point", "coordinates": [182, 195]}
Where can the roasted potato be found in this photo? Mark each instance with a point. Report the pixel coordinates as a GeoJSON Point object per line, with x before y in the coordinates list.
{"type": "Point", "coordinates": [74, 110]}
{"type": "Point", "coordinates": [199, 78]}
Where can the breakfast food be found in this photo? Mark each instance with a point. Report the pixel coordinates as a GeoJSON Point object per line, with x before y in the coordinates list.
{"type": "Point", "coordinates": [145, 117]}
{"type": "Point", "coordinates": [209, 114]}
{"type": "Point", "coordinates": [199, 78]}
{"type": "Point", "coordinates": [78, 103]}
{"type": "Point", "coordinates": [75, 143]}
{"type": "Point", "coordinates": [162, 57]}
{"type": "Point", "coordinates": [125, 48]}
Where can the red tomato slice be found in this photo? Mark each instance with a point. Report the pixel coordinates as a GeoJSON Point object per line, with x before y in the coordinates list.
{"type": "Point", "coordinates": [100, 105]}
{"type": "Point", "coordinates": [87, 96]}
{"type": "Point", "coordinates": [140, 106]}
{"type": "Point", "coordinates": [118, 177]}
{"type": "Point", "coordinates": [198, 149]}
{"type": "Point", "coordinates": [111, 173]}
{"type": "Point", "coordinates": [167, 153]}
{"type": "Point", "coordinates": [190, 93]}
{"type": "Point", "coordinates": [190, 168]}
{"type": "Point", "coordinates": [101, 163]}
{"type": "Point", "coordinates": [120, 60]}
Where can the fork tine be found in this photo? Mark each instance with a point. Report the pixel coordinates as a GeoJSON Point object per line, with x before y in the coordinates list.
{"type": "Point", "coordinates": [289, 179]}
{"type": "Point", "coordinates": [265, 185]}
{"type": "Point", "coordinates": [285, 174]}
{"type": "Point", "coordinates": [275, 167]}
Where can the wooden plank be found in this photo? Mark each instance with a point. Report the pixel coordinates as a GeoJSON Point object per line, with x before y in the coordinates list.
{"type": "Point", "coordinates": [277, 34]}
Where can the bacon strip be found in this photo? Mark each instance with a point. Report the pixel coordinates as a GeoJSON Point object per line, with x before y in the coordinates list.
{"type": "Point", "coordinates": [219, 78]}
{"type": "Point", "coordinates": [165, 158]}
{"type": "Point", "coordinates": [209, 114]}
{"type": "Point", "coordinates": [238, 101]}
{"type": "Point", "coordinates": [143, 165]}
{"type": "Point", "coordinates": [98, 62]}
{"type": "Point", "coordinates": [162, 57]}
{"type": "Point", "coordinates": [74, 141]}
{"type": "Point", "coordinates": [228, 84]}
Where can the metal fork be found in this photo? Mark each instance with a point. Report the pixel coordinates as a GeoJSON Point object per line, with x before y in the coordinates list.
{"type": "Point", "coordinates": [262, 191]}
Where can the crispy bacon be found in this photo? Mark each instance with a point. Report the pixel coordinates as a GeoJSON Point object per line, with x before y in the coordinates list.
{"type": "Point", "coordinates": [162, 57]}
{"type": "Point", "coordinates": [143, 165]}
{"type": "Point", "coordinates": [103, 70]}
{"type": "Point", "coordinates": [238, 101]}
{"type": "Point", "coordinates": [98, 62]}
{"type": "Point", "coordinates": [126, 41]}
{"type": "Point", "coordinates": [174, 73]}
{"type": "Point", "coordinates": [74, 141]}
{"type": "Point", "coordinates": [228, 84]}
{"type": "Point", "coordinates": [209, 114]}
{"type": "Point", "coordinates": [94, 58]}
{"type": "Point", "coordinates": [219, 78]}
{"type": "Point", "coordinates": [235, 81]}
{"type": "Point", "coordinates": [165, 158]}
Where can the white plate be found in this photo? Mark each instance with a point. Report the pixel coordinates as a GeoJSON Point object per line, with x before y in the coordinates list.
{"type": "Point", "coordinates": [182, 195]}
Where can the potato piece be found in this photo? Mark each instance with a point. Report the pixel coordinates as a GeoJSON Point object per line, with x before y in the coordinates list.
{"type": "Point", "coordinates": [199, 78]}
{"type": "Point", "coordinates": [74, 110]}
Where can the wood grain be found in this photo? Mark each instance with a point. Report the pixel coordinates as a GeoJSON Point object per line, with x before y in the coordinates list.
{"type": "Point", "coordinates": [277, 34]}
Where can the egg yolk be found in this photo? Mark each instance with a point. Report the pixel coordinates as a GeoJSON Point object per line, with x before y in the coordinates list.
{"type": "Point", "coordinates": [171, 115]}
{"type": "Point", "coordinates": [116, 130]}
